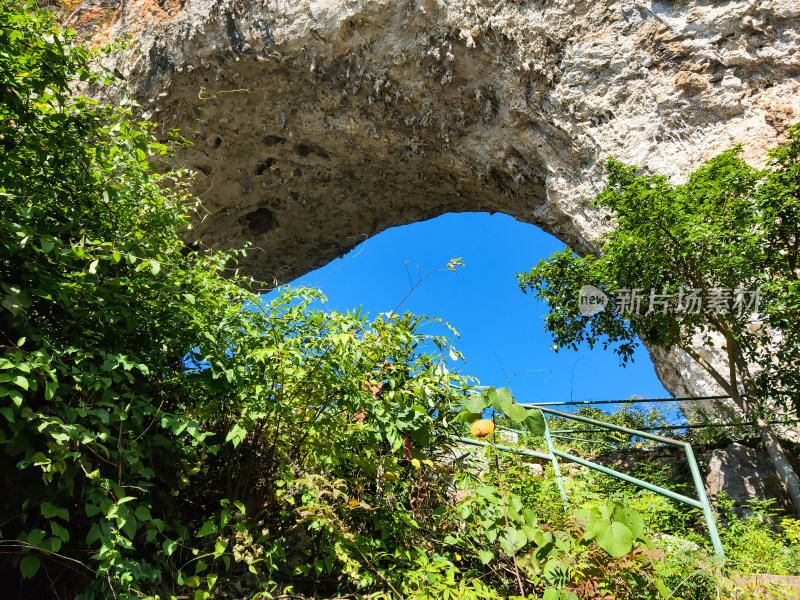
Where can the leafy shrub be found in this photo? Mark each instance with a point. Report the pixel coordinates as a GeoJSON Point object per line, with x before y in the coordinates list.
{"type": "Point", "coordinates": [157, 419]}
{"type": "Point", "coordinates": [754, 543]}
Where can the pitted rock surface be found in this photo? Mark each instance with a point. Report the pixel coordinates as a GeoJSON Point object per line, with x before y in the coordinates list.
{"type": "Point", "coordinates": [318, 123]}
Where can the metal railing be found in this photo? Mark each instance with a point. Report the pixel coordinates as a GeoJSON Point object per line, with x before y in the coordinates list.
{"type": "Point", "coordinates": [553, 455]}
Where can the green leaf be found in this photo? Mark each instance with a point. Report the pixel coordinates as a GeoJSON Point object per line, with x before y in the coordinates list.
{"type": "Point", "coordinates": [49, 511]}
{"type": "Point", "coordinates": [516, 413]}
{"type": "Point", "coordinates": [467, 417]}
{"type": "Point", "coordinates": [129, 526]}
{"type": "Point", "coordinates": [155, 267]}
{"type": "Point", "coordinates": [59, 531]}
{"type": "Point", "coordinates": [53, 544]}
{"type": "Point", "coordinates": [36, 536]}
{"type": "Point", "coordinates": [556, 572]}
{"type": "Point", "coordinates": [518, 539]}
{"type": "Point", "coordinates": [207, 529]}
{"type": "Point", "coordinates": [40, 459]}
{"type": "Point", "coordinates": [551, 593]}
{"type": "Point", "coordinates": [29, 565]}
{"type": "Point", "coordinates": [236, 435]}
{"type": "Point", "coordinates": [486, 556]}
{"type": "Point", "coordinates": [614, 537]}
{"type": "Point", "coordinates": [169, 546]}
{"type": "Point", "coordinates": [142, 513]}
{"type": "Point", "coordinates": [502, 398]}
{"type": "Point", "coordinates": [535, 421]}
{"type": "Point", "coordinates": [211, 581]}
{"type": "Point", "coordinates": [631, 519]}
{"type": "Point", "coordinates": [20, 381]}
{"type": "Point", "coordinates": [477, 403]}
{"type": "Point", "coordinates": [47, 244]}
{"type": "Point", "coordinates": [16, 397]}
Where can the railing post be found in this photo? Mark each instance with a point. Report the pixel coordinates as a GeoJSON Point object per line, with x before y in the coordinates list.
{"type": "Point", "coordinates": [701, 495]}
{"type": "Point", "coordinates": [556, 469]}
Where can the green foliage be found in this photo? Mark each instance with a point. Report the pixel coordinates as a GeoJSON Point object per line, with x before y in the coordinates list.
{"type": "Point", "coordinates": [728, 227]}
{"type": "Point", "coordinates": [602, 553]}
{"type": "Point", "coordinates": [164, 431]}
{"type": "Point", "coordinates": [95, 317]}
{"type": "Point", "coordinates": [158, 422]}
{"type": "Point", "coordinates": [501, 401]}
{"type": "Point", "coordinates": [754, 544]}
{"type": "Point", "coordinates": [592, 441]}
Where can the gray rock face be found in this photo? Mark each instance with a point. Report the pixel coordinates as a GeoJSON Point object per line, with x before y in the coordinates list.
{"type": "Point", "coordinates": [318, 123]}
{"type": "Point", "coordinates": [744, 474]}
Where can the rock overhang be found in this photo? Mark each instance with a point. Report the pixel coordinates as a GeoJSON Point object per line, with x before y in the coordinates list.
{"type": "Point", "coordinates": [315, 124]}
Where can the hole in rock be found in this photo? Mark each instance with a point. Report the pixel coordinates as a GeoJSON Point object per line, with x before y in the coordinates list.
{"type": "Point", "coordinates": [500, 327]}
{"type": "Point", "coordinates": [260, 221]}
{"type": "Point", "coordinates": [265, 166]}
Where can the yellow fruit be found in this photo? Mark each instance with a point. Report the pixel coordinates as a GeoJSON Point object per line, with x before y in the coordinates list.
{"type": "Point", "coordinates": [481, 428]}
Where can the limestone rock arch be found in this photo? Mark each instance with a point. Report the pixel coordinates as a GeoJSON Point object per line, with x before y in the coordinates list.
{"type": "Point", "coordinates": [318, 123]}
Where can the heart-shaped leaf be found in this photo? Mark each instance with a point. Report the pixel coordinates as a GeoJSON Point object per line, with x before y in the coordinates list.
{"type": "Point", "coordinates": [516, 413]}
{"type": "Point", "coordinates": [614, 537]}
{"type": "Point", "coordinates": [476, 403]}
{"type": "Point", "coordinates": [535, 421]}
{"type": "Point", "coordinates": [631, 519]}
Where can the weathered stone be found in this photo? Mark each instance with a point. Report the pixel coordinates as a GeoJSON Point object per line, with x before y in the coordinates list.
{"type": "Point", "coordinates": [319, 123]}
{"type": "Point", "coordinates": [509, 437]}
{"type": "Point", "coordinates": [744, 474]}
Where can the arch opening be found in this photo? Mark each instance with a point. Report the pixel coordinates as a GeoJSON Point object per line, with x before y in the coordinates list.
{"type": "Point", "coordinates": [500, 328]}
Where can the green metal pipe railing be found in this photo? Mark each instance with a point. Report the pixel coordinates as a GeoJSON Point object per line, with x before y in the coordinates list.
{"type": "Point", "coordinates": [630, 401]}
{"type": "Point", "coordinates": [679, 427]}
{"type": "Point", "coordinates": [702, 501]}
{"type": "Point", "coordinates": [531, 453]}
{"type": "Point", "coordinates": [555, 434]}
{"type": "Point", "coordinates": [630, 479]}
{"type": "Point", "coordinates": [556, 468]}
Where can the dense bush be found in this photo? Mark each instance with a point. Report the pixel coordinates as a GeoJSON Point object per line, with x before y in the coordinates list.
{"type": "Point", "coordinates": [165, 432]}
{"type": "Point", "coordinates": [157, 419]}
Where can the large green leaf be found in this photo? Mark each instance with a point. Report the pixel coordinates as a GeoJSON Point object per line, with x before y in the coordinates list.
{"type": "Point", "coordinates": [516, 413]}
{"type": "Point", "coordinates": [614, 537]}
{"type": "Point", "coordinates": [631, 519]}
{"type": "Point", "coordinates": [500, 398]}
{"type": "Point", "coordinates": [535, 421]}
{"type": "Point", "coordinates": [29, 565]}
{"type": "Point", "coordinates": [477, 403]}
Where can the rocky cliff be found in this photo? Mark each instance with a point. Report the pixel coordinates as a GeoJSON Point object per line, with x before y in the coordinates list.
{"type": "Point", "coordinates": [318, 123]}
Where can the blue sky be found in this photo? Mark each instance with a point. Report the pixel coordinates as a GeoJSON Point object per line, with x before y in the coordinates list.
{"type": "Point", "coordinates": [501, 328]}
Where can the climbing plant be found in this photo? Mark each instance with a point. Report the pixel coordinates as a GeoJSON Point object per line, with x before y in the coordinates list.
{"type": "Point", "coordinates": [158, 422]}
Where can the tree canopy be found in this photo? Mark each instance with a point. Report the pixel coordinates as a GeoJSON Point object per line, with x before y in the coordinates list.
{"type": "Point", "coordinates": [716, 255]}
